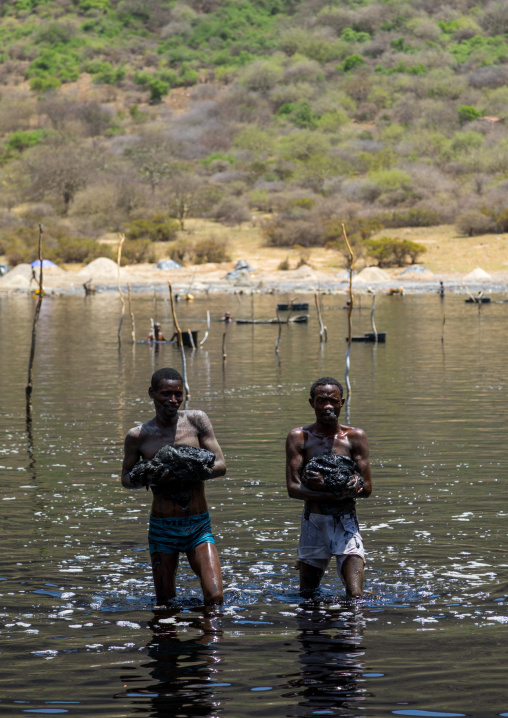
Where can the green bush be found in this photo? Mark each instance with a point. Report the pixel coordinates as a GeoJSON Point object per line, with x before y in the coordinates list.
{"type": "Point", "coordinates": [105, 73]}
{"type": "Point", "coordinates": [468, 113]}
{"type": "Point", "coordinates": [161, 228]}
{"type": "Point", "coordinates": [351, 62]}
{"type": "Point", "coordinates": [23, 139]}
{"type": "Point", "coordinates": [413, 217]}
{"type": "Point", "coordinates": [158, 88]}
{"type": "Point", "coordinates": [390, 252]}
{"type": "Point", "coordinates": [303, 116]}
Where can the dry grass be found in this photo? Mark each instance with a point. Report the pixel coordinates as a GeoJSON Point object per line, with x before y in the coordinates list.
{"type": "Point", "coordinates": [446, 251]}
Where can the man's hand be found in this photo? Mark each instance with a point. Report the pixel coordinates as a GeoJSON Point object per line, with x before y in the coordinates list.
{"type": "Point", "coordinates": [355, 487]}
{"type": "Point", "coordinates": [313, 480]}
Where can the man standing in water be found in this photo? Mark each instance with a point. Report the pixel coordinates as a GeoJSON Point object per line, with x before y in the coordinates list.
{"type": "Point", "coordinates": [179, 522]}
{"type": "Point", "coordinates": [329, 522]}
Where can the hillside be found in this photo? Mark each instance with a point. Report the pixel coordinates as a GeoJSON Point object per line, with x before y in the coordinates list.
{"type": "Point", "coordinates": [298, 116]}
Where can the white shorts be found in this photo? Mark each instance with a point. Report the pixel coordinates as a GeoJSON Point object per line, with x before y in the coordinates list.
{"type": "Point", "coordinates": [325, 536]}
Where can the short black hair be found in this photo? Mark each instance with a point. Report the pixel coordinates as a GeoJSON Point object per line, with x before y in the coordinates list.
{"type": "Point", "coordinates": [165, 373]}
{"type": "Point", "coordinates": [323, 382]}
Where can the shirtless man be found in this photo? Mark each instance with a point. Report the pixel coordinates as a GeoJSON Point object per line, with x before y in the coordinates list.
{"type": "Point", "coordinates": [329, 523]}
{"type": "Point", "coordinates": [180, 523]}
{"type": "Point", "coordinates": [156, 335]}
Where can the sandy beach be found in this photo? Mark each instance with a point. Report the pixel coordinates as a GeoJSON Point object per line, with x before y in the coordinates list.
{"type": "Point", "coordinates": [230, 278]}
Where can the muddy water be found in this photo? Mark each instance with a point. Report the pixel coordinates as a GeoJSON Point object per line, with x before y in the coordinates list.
{"type": "Point", "coordinates": [78, 635]}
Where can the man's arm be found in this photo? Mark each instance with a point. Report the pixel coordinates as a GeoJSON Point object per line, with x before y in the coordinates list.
{"type": "Point", "coordinates": [131, 456]}
{"type": "Point", "coordinates": [294, 461]}
{"type": "Point", "coordinates": [208, 441]}
{"type": "Point", "coordinates": [360, 454]}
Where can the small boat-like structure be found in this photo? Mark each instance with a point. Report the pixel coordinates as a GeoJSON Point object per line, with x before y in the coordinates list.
{"type": "Point", "coordinates": [299, 319]}
{"type": "Point", "coordinates": [293, 306]}
{"type": "Point", "coordinates": [370, 337]}
{"type": "Point", "coordinates": [477, 300]}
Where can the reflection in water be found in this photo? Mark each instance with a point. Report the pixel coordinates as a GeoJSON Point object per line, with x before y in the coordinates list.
{"type": "Point", "coordinates": [182, 669]}
{"type": "Point", "coordinates": [331, 662]}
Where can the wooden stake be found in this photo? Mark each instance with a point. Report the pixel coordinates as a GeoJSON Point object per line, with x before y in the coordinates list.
{"type": "Point", "coordinates": [29, 386]}
{"type": "Point", "coordinates": [207, 328]}
{"type": "Point", "coordinates": [122, 240]}
{"type": "Point", "coordinates": [349, 320]}
{"type": "Point", "coordinates": [180, 342]}
{"type": "Point", "coordinates": [372, 317]}
{"type": "Point", "coordinates": [323, 333]}
{"type": "Point", "coordinates": [277, 341]}
{"type": "Point", "coordinates": [133, 323]}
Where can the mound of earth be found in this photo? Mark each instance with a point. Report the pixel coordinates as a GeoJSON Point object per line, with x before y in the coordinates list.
{"type": "Point", "coordinates": [370, 275]}
{"type": "Point", "coordinates": [101, 270]}
{"type": "Point", "coordinates": [478, 275]}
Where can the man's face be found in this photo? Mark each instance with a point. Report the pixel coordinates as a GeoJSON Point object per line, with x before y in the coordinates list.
{"type": "Point", "coordinates": [168, 396]}
{"type": "Point", "coordinates": [327, 403]}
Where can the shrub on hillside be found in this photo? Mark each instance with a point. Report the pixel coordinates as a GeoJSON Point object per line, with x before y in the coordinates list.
{"type": "Point", "coordinates": [22, 246]}
{"type": "Point", "coordinates": [468, 113]}
{"type": "Point", "coordinates": [390, 252]}
{"type": "Point", "coordinates": [413, 217]}
{"type": "Point", "coordinates": [161, 228]}
{"type": "Point", "coordinates": [285, 231]}
{"type": "Point", "coordinates": [137, 251]}
{"type": "Point", "coordinates": [232, 211]}
{"type": "Point", "coordinates": [210, 250]}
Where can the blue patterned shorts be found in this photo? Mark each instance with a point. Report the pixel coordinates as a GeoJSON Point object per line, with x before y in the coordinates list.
{"type": "Point", "coordinates": [179, 535]}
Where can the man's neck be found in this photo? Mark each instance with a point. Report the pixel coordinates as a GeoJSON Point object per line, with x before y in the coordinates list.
{"type": "Point", "coordinates": [166, 422]}
{"type": "Point", "coordinates": [327, 429]}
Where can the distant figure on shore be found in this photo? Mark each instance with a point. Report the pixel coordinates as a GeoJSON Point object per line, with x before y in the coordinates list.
{"type": "Point", "coordinates": [441, 290]}
{"type": "Point", "coordinates": [156, 335]}
{"type": "Point", "coordinates": [228, 317]}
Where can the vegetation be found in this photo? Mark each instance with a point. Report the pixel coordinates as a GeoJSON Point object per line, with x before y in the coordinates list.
{"type": "Point", "coordinates": [135, 117]}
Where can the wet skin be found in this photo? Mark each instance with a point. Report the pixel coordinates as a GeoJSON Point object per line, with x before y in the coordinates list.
{"type": "Point", "coordinates": [324, 435]}
{"type": "Point", "coordinates": [174, 427]}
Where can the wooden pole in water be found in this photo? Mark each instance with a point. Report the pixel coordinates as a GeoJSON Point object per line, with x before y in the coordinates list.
{"type": "Point", "coordinates": [133, 323]}
{"type": "Point", "coordinates": [443, 328]}
{"type": "Point", "coordinates": [29, 386]}
{"type": "Point", "coordinates": [349, 319]}
{"type": "Point", "coordinates": [122, 240]}
{"type": "Point", "coordinates": [372, 316]}
{"type": "Point", "coordinates": [323, 332]}
{"type": "Point", "coordinates": [277, 341]}
{"type": "Point", "coordinates": [207, 328]}
{"type": "Point", "coordinates": [180, 342]}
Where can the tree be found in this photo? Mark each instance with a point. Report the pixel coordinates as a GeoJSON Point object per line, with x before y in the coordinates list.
{"type": "Point", "coordinates": [154, 159]}
{"type": "Point", "coordinates": [183, 196]}
{"type": "Point", "coordinates": [58, 170]}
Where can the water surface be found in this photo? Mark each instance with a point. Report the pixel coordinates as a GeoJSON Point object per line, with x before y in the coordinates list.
{"type": "Point", "coordinates": [78, 633]}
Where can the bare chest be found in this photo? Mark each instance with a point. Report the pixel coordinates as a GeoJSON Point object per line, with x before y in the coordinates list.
{"type": "Point", "coordinates": [155, 437]}
{"type": "Point", "coordinates": [316, 445]}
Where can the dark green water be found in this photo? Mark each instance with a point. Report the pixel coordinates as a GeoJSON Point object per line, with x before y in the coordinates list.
{"type": "Point", "coordinates": [77, 635]}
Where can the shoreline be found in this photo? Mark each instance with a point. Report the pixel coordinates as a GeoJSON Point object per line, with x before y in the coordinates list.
{"type": "Point", "coordinates": [228, 279]}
